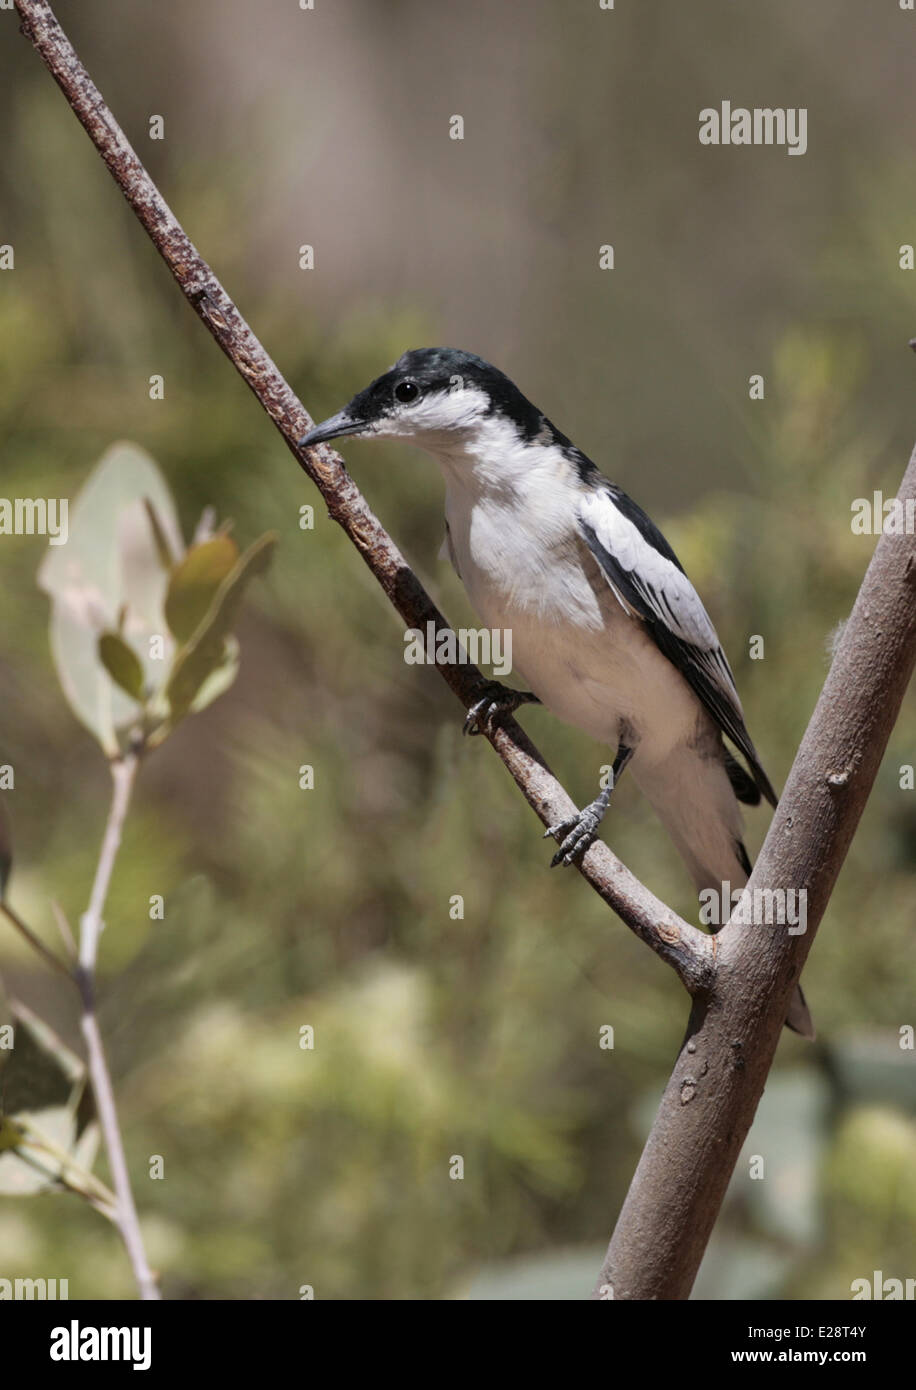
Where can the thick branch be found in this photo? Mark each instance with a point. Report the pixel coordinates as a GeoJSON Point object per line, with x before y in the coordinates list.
{"type": "Point", "coordinates": [709, 1103]}
{"type": "Point", "coordinates": [739, 1005]}
{"type": "Point", "coordinates": [688, 950]}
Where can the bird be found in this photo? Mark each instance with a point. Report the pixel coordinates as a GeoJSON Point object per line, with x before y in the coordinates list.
{"type": "Point", "coordinates": [607, 629]}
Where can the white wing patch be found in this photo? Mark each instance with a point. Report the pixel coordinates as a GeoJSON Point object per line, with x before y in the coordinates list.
{"type": "Point", "coordinates": [665, 589]}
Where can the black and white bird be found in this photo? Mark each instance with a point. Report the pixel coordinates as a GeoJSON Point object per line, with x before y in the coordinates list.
{"type": "Point", "coordinates": [606, 627]}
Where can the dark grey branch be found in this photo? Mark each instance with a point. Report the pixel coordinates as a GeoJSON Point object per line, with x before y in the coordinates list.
{"type": "Point", "coordinates": [740, 982]}
{"type": "Point", "coordinates": [714, 1090]}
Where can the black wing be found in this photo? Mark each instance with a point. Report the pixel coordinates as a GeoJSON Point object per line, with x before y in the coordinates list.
{"type": "Point", "coordinates": [649, 582]}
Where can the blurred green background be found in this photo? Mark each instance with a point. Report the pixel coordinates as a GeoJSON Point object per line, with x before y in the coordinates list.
{"type": "Point", "coordinates": [330, 907]}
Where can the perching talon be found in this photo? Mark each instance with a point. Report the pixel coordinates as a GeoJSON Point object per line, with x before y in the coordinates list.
{"type": "Point", "coordinates": [499, 700]}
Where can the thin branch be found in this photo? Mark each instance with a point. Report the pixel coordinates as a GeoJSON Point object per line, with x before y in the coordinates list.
{"type": "Point", "coordinates": [688, 950]}
{"type": "Point", "coordinates": [740, 997]}
{"type": "Point", "coordinates": [48, 956]}
{"type": "Point", "coordinates": [123, 774]}
{"type": "Point", "coordinates": [124, 1212]}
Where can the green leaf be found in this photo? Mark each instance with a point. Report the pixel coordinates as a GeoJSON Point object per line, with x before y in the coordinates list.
{"type": "Point", "coordinates": [29, 1168]}
{"type": "Point", "coordinates": [111, 561]}
{"type": "Point", "coordinates": [44, 1087]}
{"type": "Point", "coordinates": [122, 664]}
{"type": "Point", "coordinates": [86, 1148]}
{"type": "Point", "coordinates": [40, 1071]}
{"type": "Point", "coordinates": [194, 583]}
{"type": "Point", "coordinates": [219, 679]}
{"type": "Point", "coordinates": [206, 652]}
{"type": "Point", "coordinates": [10, 1133]}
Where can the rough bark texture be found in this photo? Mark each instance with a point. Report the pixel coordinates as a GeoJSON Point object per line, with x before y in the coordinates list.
{"type": "Point", "coordinates": [740, 980]}
{"type": "Point", "coordinates": [714, 1090]}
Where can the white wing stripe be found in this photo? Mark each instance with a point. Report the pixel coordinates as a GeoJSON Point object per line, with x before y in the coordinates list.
{"type": "Point", "coordinates": [666, 590]}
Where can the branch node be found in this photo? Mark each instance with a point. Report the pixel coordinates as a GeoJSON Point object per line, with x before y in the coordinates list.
{"type": "Point", "coordinates": [688, 1089]}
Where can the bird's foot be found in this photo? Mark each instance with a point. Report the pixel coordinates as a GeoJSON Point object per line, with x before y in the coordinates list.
{"type": "Point", "coordinates": [498, 700]}
{"type": "Point", "coordinates": [579, 832]}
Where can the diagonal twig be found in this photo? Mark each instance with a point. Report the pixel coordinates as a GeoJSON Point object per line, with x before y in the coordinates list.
{"type": "Point", "coordinates": [684, 947]}
{"type": "Point", "coordinates": [742, 983]}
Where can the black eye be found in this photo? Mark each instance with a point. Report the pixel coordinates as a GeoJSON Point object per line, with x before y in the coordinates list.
{"type": "Point", "coordinates": [406, 391]}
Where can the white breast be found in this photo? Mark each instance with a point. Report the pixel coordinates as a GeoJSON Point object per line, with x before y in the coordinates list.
{"type": "Point", "coordinates": [525, 568]}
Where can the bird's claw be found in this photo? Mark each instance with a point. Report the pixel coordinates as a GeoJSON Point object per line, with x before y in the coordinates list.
{"type": "Point", "coordinates": [480, 716]}
{"type": "Point", "coordinates": [579, 834]}
{"type": "Point", "coordinates": [498, 700]}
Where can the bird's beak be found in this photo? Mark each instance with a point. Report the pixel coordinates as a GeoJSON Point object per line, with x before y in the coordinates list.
{"type": "Point", "coordinates": [332, 428]}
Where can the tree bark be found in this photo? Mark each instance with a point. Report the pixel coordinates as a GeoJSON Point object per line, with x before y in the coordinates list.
{"type": "Point", "coordinates": [714, 1090]}
{"type": "Point", "coordinates": [741, 979]}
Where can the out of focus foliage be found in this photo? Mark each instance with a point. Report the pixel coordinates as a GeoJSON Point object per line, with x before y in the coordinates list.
{"type": "Point", "coordinates": [331, 908]}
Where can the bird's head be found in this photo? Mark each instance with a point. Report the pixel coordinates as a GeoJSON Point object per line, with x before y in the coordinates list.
{"type": "Point", "coordinates": [440, 399]}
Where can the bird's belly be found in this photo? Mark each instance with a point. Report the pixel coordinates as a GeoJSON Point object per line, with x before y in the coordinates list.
{"type": "Point", "coordinates": [595, 668]}
{"type": "Point", "coordinates": [587, 661]}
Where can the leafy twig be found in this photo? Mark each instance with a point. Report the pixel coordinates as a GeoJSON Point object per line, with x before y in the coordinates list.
{"type": "Point", "coordinates": [70, 1174]}
{"type": "Point", "coordinates": [685, 948]}
{"type": "Point", "coordinates": [681, 1179]}
{"type": "Point", "coordinates": [120, 1206]}
{"type": "Point", "coordinates": [123, 773]}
